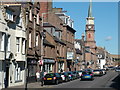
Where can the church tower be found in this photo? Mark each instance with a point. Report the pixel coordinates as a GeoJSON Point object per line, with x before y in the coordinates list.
{"type": "Point", "coordinates": [90, 42]}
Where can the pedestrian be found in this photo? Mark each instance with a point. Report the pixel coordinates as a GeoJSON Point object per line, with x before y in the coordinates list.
{"type": "Point", "coordinates": [37, 76]}
{"type": "Point", "coordinates": [61, 71]}
{"type": "Point", "coordinates": [42, 78]}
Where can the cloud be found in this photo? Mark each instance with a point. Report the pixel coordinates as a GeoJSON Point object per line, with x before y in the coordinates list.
{"type": "Point", "coordinates": [108, 38]}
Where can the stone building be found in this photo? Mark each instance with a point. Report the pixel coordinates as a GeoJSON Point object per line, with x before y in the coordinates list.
{"type": "Point", "coordinates": [34, 39]}
{"type": "Point", "coordinates": [64, 28]}
{"type": "Point", "coordinates": [12, 45]}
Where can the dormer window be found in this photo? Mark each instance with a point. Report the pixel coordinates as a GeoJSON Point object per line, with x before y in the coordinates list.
{"type": "Point", "coordinates": [9, 14]}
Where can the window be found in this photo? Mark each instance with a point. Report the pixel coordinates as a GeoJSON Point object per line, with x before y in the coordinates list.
{"type": "Point", "coordinates": [18, 44]}
{"type": "Point", "coordinates": [8, 42]}
{"type": "Point", "coordinates": [37, 17]}
{"type": "Point", "coordinates": [30, 39]}
{"type": "Point", "coordinates": [3, 42]}
{"type": "Point", "coordinates": [20, 21]}
{"type": "Point", "coordinates": [36, 39]}
{"type": "Point", "coordinates": [89, 36]}
{"type": "Point", "coordinates": [30, 14]}
{"type": "Point", "coordinates": [23, 46]}
{"type": "Point", "coordinates": [17, 73]}
{"type": "Point", "coordinates": [9, 14]}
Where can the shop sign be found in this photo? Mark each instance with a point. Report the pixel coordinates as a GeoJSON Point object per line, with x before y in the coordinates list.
{"type": "Point", "coordinates": [49, 61]}
{"type": "Point", "coordinates": [70, 55]}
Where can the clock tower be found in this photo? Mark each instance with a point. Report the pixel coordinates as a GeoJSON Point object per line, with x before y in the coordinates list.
{"type": "Point", "coordinates": [90, 42]}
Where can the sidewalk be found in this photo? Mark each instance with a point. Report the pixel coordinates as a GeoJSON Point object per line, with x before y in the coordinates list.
{"type": "Point", "coordinates": [29, 85]}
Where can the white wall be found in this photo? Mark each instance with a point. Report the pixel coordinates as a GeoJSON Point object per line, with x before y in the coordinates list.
{"type": "Point", "coordinates": [102, 63]}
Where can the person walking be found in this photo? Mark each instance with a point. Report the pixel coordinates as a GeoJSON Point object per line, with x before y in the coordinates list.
{"type": "Point", "coordinates": [37, 76]}
{"type": "Point", "coordinates": [42, 78]}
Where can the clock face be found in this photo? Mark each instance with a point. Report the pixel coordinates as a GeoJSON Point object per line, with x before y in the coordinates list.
{"type": "Point", "coordinates": [89, 27]}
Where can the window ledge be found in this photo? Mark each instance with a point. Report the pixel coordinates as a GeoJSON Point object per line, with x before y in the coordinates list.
{"type": "Point", "coordinates": [18, 81]}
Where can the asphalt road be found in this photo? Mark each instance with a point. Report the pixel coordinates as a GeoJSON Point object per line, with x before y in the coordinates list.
{"type": "Point", "coordinates": [105, 81]}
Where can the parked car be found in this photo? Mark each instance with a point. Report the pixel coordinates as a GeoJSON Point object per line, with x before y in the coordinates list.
{"type": "Point", "coordinates": [87, 75]}
{"type": "Point", "coordinates": [76, 74]}
{"type": "Point", "coordinates": [104, 71]}
{"type": "Point", "coordinates": [65, 76]}
{"type": "Point", "coordinates": [80, 73]}
{"type": "Point", "coordinates": [52, 78]}
{"type": "Point", "coordinates": [98, 72]}
{"type": "Point", "coordinates": [117, 69]}
{"type": "Point", "coordinates": [88, 69]}
{"type": "Point", "coordinates": [111, 68]}
{"type": "Point", "coordinates": [71, 75]}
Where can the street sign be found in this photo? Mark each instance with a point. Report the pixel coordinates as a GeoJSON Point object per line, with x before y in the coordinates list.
{"type": "Point", "coordinates": [40, 62]}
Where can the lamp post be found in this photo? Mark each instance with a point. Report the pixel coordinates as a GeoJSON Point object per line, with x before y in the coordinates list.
{"type": "Point", "coordinates": [26, 71]}
{"type": "Point", "coordinates": [5, 48]}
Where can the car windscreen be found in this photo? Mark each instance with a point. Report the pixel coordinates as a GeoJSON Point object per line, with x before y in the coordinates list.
{"type": "Point", "coordinates": [50, 75]}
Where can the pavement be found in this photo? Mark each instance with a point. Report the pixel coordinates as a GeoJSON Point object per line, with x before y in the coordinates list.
{"type": "Point", "coordinates": [29, 85]}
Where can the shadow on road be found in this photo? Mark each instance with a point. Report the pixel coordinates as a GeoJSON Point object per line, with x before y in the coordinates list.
{"type": "Point", "coordinates": [116, 83]}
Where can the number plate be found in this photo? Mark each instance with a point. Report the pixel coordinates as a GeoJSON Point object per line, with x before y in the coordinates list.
{"type": "Point", "coordinates": [49, 78]}
{"type": "Point", "coordinates": [87, 76]}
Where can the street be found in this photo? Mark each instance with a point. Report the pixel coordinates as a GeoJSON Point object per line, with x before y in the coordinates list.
{"type": "Point", "coordinates": [111, 80]}
{"type": "Point", "coordinates": [98, 82]}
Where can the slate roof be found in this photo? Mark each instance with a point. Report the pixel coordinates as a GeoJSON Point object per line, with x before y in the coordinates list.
{"type": "Point", "coordinates": [45, 42]}
{"type": "Point", "coordinates": [58, 40]}
{"type": "Point", "coordinates": [78, 51]}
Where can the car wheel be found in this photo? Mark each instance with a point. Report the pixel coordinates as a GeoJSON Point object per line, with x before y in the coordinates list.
{"type": "Point", "coordinates": [56, 82]}
{"type": "Point", "coordinates": [66, 79]}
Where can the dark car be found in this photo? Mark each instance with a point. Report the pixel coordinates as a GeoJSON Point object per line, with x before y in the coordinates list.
{"type": "Point", "coordinates": [87, 75]}
{"type": "Point", "coordinates": [104, 71]}
{"type": "Point", "coordinates": [76, 74]}
{"type": "Point", "coordinates": [65, 76]}
{"type": "Point", "coordinates": [71, 75]}
{"type": "Point", "coordinates": [52, 78]}
{"type": "Point", "coordinates": [117, 69]}
{"type": "Point", "coordinates": [111, 68]}
{"type": "Point", "coordinates": [98, 72]}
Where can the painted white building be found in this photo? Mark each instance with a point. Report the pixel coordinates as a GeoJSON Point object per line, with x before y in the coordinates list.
{"type": "Point", "coordinates": [12, 46]}
{"type": "Point", "coordinates": [101, 54]}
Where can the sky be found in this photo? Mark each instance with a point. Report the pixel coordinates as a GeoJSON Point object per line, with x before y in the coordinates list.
{"type": "Point", "coordinates": [106, 21]}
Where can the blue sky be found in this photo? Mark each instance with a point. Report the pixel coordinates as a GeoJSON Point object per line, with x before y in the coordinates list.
{"type": "Point", "coordinates": [106, 21]}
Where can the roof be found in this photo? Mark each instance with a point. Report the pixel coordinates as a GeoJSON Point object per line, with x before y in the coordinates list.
{"type": "Point", "coordinates": [80, 41]}
{"type": "Point", "coordinates": [61, 14]}
{"type": "Point", "coordinates": [114, 56]}
{"type": "Point", "coordinates": [70, 29]}
{"type": "Point", "coordinates": [45, 42]}
{"type": "Point", "coordinates": [78, 51]}
{"type": "Point", "coordinates": [58, 40]}
{"type": "Point", "coordinates": [47, 24]}
{"type": "Point", "coordinates": [90, 10]}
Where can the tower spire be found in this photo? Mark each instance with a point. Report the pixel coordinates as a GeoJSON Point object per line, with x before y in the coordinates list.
{"type": "Point", "coordinates": [90, 9]}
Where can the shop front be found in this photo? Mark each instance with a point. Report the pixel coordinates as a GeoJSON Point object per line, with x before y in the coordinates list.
{"type": "Point", "coordinates": [32, 68]}
{"type": "Point", "coordinates": [70, 56]}
{"type": "Point", "coordinates": [48, 65]}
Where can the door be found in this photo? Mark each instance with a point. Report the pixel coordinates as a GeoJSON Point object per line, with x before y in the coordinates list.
{"type": "Point", "coordinates": [7, 77]}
